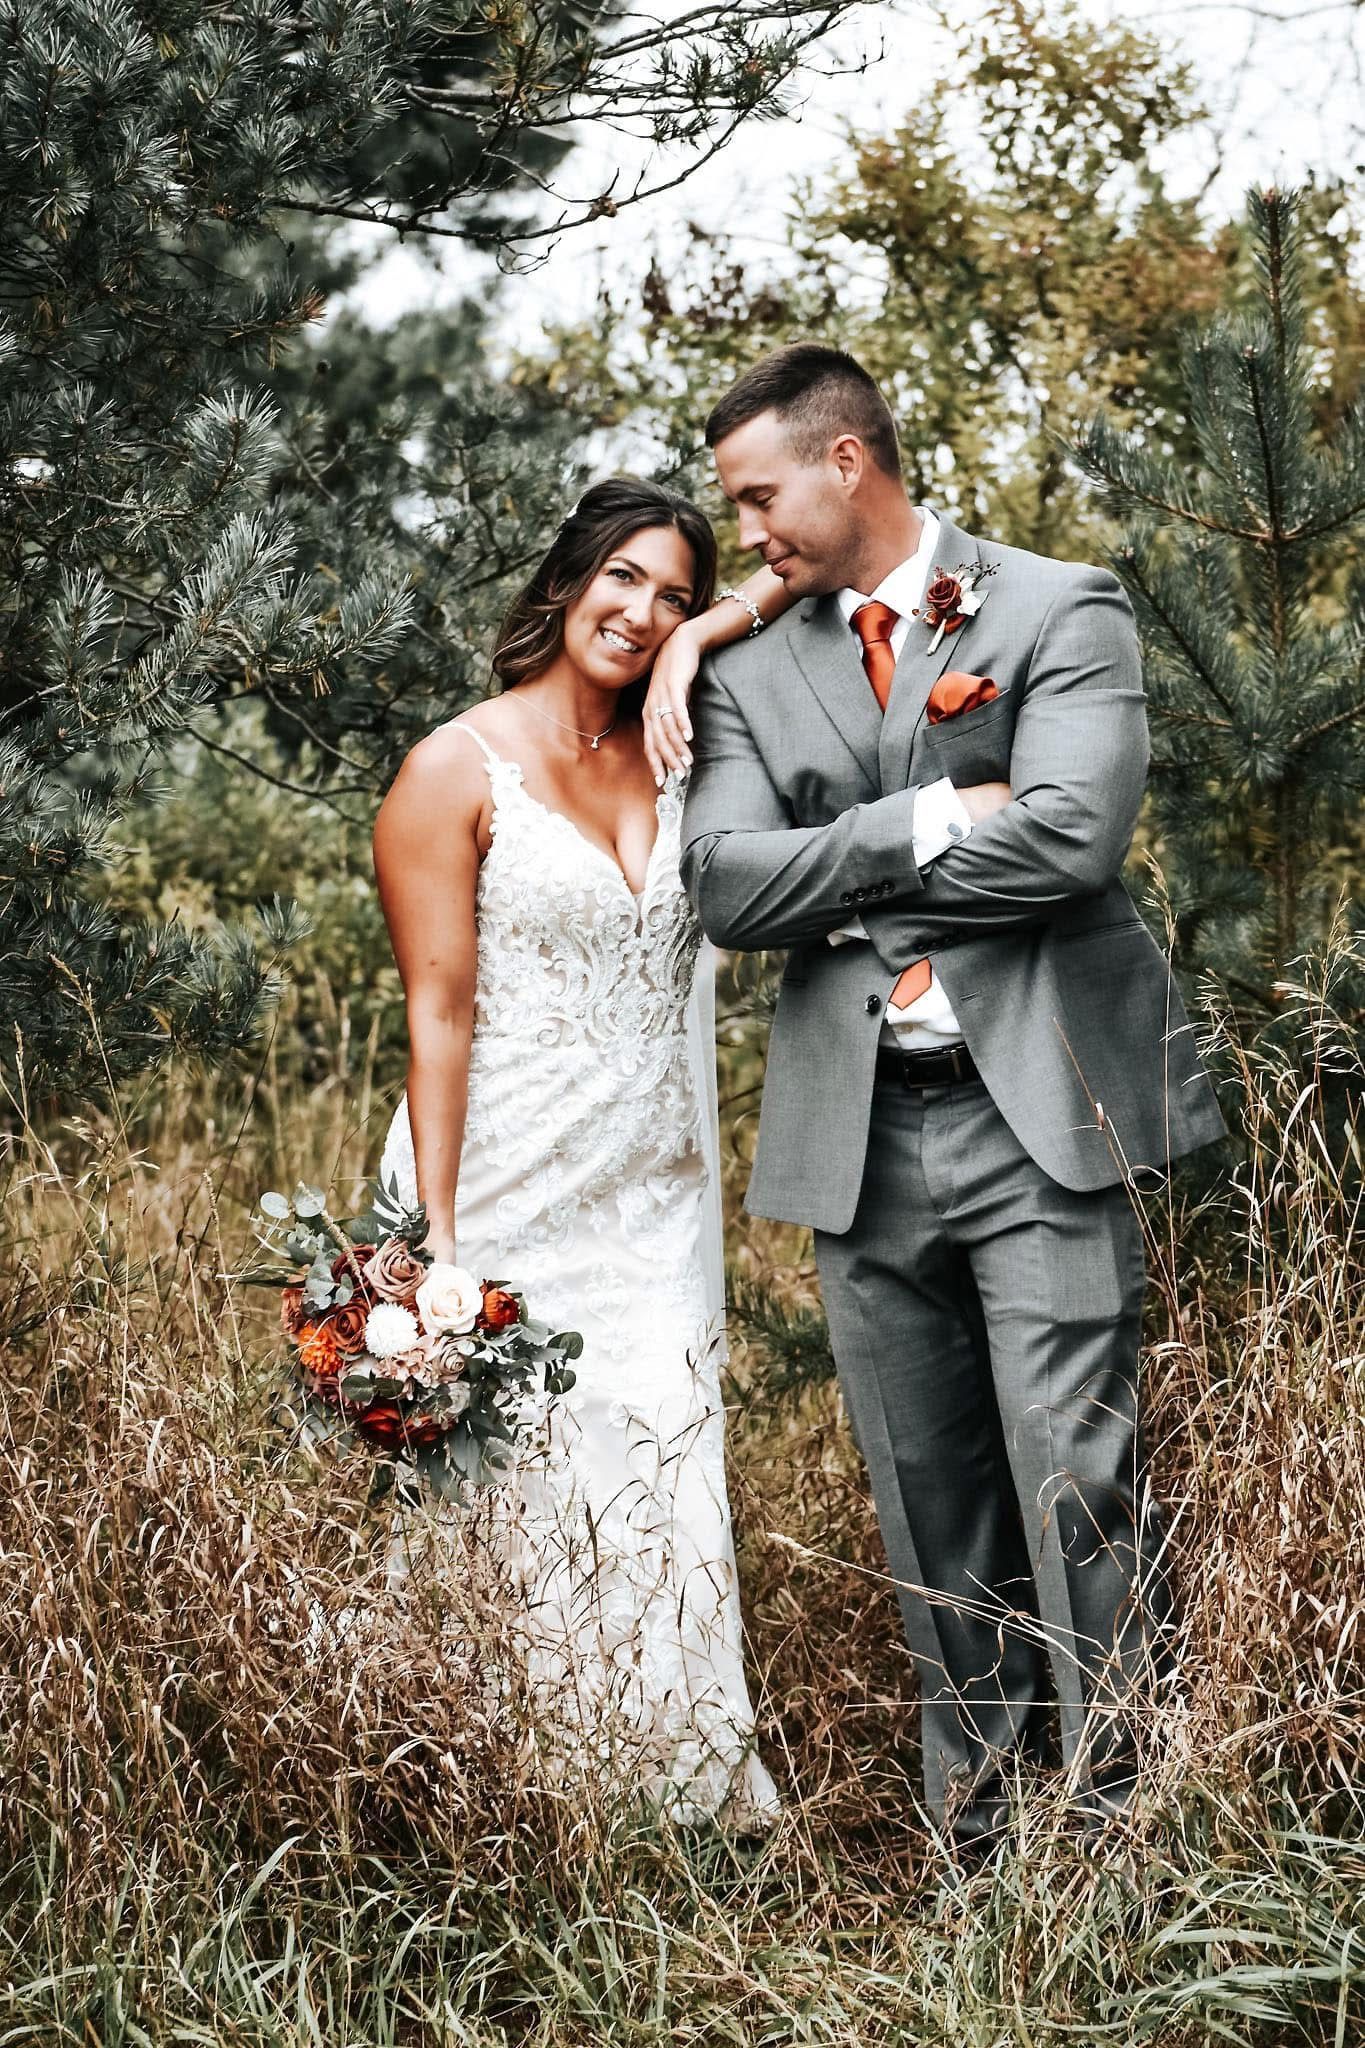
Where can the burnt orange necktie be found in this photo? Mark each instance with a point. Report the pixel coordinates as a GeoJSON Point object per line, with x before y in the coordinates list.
{"type": "Point", "coordinates": [874, 624]}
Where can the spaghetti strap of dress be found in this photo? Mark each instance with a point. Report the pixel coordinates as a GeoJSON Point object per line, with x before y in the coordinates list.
{"type": "Point", "coordinates": [490, 754]}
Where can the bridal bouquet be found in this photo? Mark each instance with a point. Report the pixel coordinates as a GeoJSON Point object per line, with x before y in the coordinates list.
{"type": "Point", "coordinates": [439, 1371]}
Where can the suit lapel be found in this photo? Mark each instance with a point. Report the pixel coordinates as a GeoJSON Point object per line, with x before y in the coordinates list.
{"type": "Point", "coordinates": [917, 670]}
{"type": "Point", "coordinates": [826, 652]}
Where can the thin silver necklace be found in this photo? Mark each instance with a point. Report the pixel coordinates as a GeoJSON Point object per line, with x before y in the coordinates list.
{"type": "Point", "coordinates": [595, 737]}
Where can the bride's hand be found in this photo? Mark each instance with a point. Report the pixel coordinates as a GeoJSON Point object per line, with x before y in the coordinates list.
{"type": "Point", "coordinates": [668, 729]}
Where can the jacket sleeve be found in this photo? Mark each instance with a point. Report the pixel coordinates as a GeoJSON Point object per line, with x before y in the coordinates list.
{"type": "Point", "coordinates": [758, 879]}
{"type": "Point", "coordinates": [1078, 767]}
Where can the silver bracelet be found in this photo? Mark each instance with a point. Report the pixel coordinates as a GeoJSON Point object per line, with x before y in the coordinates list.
{"type": "Point", "coordinates": [759, 622]}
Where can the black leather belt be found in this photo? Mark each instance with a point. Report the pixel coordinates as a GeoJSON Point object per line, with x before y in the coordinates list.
{"type": "Point", "coordinates": [926, 1069]}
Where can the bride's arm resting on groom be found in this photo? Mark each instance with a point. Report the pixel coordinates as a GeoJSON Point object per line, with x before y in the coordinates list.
{"type": "Point", "coordinates": [667, 723]}
{"type": "Point", "coordinates": [1078, 765]}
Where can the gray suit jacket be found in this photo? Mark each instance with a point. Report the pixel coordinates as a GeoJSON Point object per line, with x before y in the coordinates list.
{"type": "Point", "coordinates": [799, 817]}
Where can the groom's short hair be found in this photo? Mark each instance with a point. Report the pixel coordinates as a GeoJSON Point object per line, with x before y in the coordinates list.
{"type": "Point", "coordinates": [818, 393]}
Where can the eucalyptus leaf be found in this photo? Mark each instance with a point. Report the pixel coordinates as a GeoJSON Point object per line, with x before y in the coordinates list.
{"type": "Point", "coordinates": [493, 1426]}
{"type": "Point", "coordinates": [275, 1205]}
{"type": "Point", "coordinates": [309, 1201]}
{"type": "Point", "coordinates": [440, 1470]}
{"type": "Point", "coordinates": [323, 1424]}
{"type": "Point", "coordinates": [462, 1449]}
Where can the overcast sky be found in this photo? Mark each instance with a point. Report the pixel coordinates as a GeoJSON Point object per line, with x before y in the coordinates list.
{"type": "Point", "coordinates": [1282, 77]}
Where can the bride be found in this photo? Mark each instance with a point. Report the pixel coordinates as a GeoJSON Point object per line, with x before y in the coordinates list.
{"type": "Point", "coordinates": [558, 1116]}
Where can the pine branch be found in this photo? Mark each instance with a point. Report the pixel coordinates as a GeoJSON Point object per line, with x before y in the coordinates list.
{"type": "Point", "coordinates": [1314, 733]}
{"type": "Point", "coordinates": [320, 794]}
{"type": "Point", "coordinates": [1128, 564]}
{"type": "Point", "coordinates": [791, 1341]}
{"type": "Point", "coordinates": [1276, 282]}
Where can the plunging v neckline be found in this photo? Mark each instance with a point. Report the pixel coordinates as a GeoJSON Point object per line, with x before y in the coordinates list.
{"type": "Point", "coordinates": [637, 896]}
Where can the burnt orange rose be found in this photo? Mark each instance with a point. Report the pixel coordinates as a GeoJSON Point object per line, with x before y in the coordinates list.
{"type": "Point", "coordinates": [348, 1326]}
{"type": "Point", "coordinates": [942, 599]}
{"type": "Point", "coordinates": [500, 1309]}
{"type": "Point", "coordinates": [291, 1310]}
{"type": "Point", "coordinates": [385, 1423]}
{"type": "Point", "coordinates": [352, 1262]}
{"type": "Point", "coordinates": [382, 1421]}
{"type": "Point", "coordinates": [319, 1351]}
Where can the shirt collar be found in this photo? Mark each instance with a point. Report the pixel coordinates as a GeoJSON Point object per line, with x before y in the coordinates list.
{"type": "Point", "coordinates": [903, 588]}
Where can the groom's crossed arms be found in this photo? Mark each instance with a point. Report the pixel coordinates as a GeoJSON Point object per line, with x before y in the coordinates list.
{"type": "Point", "coordinates": [1078, 764]}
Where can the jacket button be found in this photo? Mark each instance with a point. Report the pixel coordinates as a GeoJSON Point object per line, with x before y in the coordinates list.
{"type": "Point", "coordinates": [845, 895]}
{"type": "Point", "coordinates": [872, 1005]}
{"type": "Point", "coordinates": [860, 895]}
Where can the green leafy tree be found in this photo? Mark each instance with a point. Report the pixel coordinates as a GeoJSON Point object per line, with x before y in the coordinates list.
{"type": "Point", "coordinates": [1005, 258]}
{"type": "Point", "coordinates": [1245, 569]}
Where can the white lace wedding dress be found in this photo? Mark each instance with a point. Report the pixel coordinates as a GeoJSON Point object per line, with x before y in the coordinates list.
{"type": "Point", "coordinates": [582, 1181]}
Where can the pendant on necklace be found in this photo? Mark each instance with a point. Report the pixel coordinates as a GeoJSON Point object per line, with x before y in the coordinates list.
{"type": "Point", "coordinates": [596, 743]}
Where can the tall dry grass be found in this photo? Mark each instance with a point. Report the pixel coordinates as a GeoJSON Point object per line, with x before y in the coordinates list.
{"type": "Point", "coordinates": [230, 1819]}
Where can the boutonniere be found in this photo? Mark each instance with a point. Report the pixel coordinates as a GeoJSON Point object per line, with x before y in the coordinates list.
{"type": "Point", "coordinates": [951, 600]}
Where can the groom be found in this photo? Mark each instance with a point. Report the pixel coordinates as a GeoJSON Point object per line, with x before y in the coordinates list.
{"type": "Point", "coordinates": [922, 782]}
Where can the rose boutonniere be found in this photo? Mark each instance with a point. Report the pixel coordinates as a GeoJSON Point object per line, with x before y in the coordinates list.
{"type": "Point", "coordinates": [952, 599]}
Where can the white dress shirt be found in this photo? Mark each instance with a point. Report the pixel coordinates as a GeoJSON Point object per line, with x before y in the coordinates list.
{"type": "Point", "coordinates": [940, 818]}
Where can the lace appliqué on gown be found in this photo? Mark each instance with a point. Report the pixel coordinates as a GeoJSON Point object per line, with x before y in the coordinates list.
{"type": "Point", "coordinates": [581, 1178]}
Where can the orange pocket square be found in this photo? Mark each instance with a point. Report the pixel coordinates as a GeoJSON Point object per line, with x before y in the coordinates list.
{"type": "Point", "coordinates": [957, 692]}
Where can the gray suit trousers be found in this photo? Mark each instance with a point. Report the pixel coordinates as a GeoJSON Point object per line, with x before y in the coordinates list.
{"type": "Point", "coordinates": [985, 1323]}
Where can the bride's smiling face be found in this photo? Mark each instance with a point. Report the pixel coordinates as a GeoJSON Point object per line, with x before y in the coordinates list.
{"type": "Point", "coordinates": [614, 628]}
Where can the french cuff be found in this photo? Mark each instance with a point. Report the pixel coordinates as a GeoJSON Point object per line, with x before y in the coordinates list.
{"type": "Point", "coordinates": [854, 929]}
{"type": "Point", "coordinates": [941, 820]}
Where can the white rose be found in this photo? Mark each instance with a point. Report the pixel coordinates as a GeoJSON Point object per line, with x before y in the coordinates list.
{"type": "Point", "coordinates": [449, 1299]}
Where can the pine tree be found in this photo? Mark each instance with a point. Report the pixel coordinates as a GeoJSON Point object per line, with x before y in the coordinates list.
{"type": "Point", "coordinates": [1244, 569]}
{"type": "Point", "coordinates": [169, 542]}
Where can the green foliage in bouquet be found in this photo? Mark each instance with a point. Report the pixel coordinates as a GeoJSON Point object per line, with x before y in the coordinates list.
{"type": "Point", "coordinates": [443, 1375]}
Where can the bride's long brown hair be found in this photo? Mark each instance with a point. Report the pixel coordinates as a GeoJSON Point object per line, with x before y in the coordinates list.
{"type": "Point", "coordinates": [604, 518]}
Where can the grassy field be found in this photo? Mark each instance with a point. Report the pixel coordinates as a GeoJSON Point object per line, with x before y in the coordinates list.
{"type": "Point", "coordinates": [221, 1830]}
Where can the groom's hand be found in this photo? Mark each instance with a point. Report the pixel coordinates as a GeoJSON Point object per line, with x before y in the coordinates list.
{"type": "Point", "coordinates": [983, 799]}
